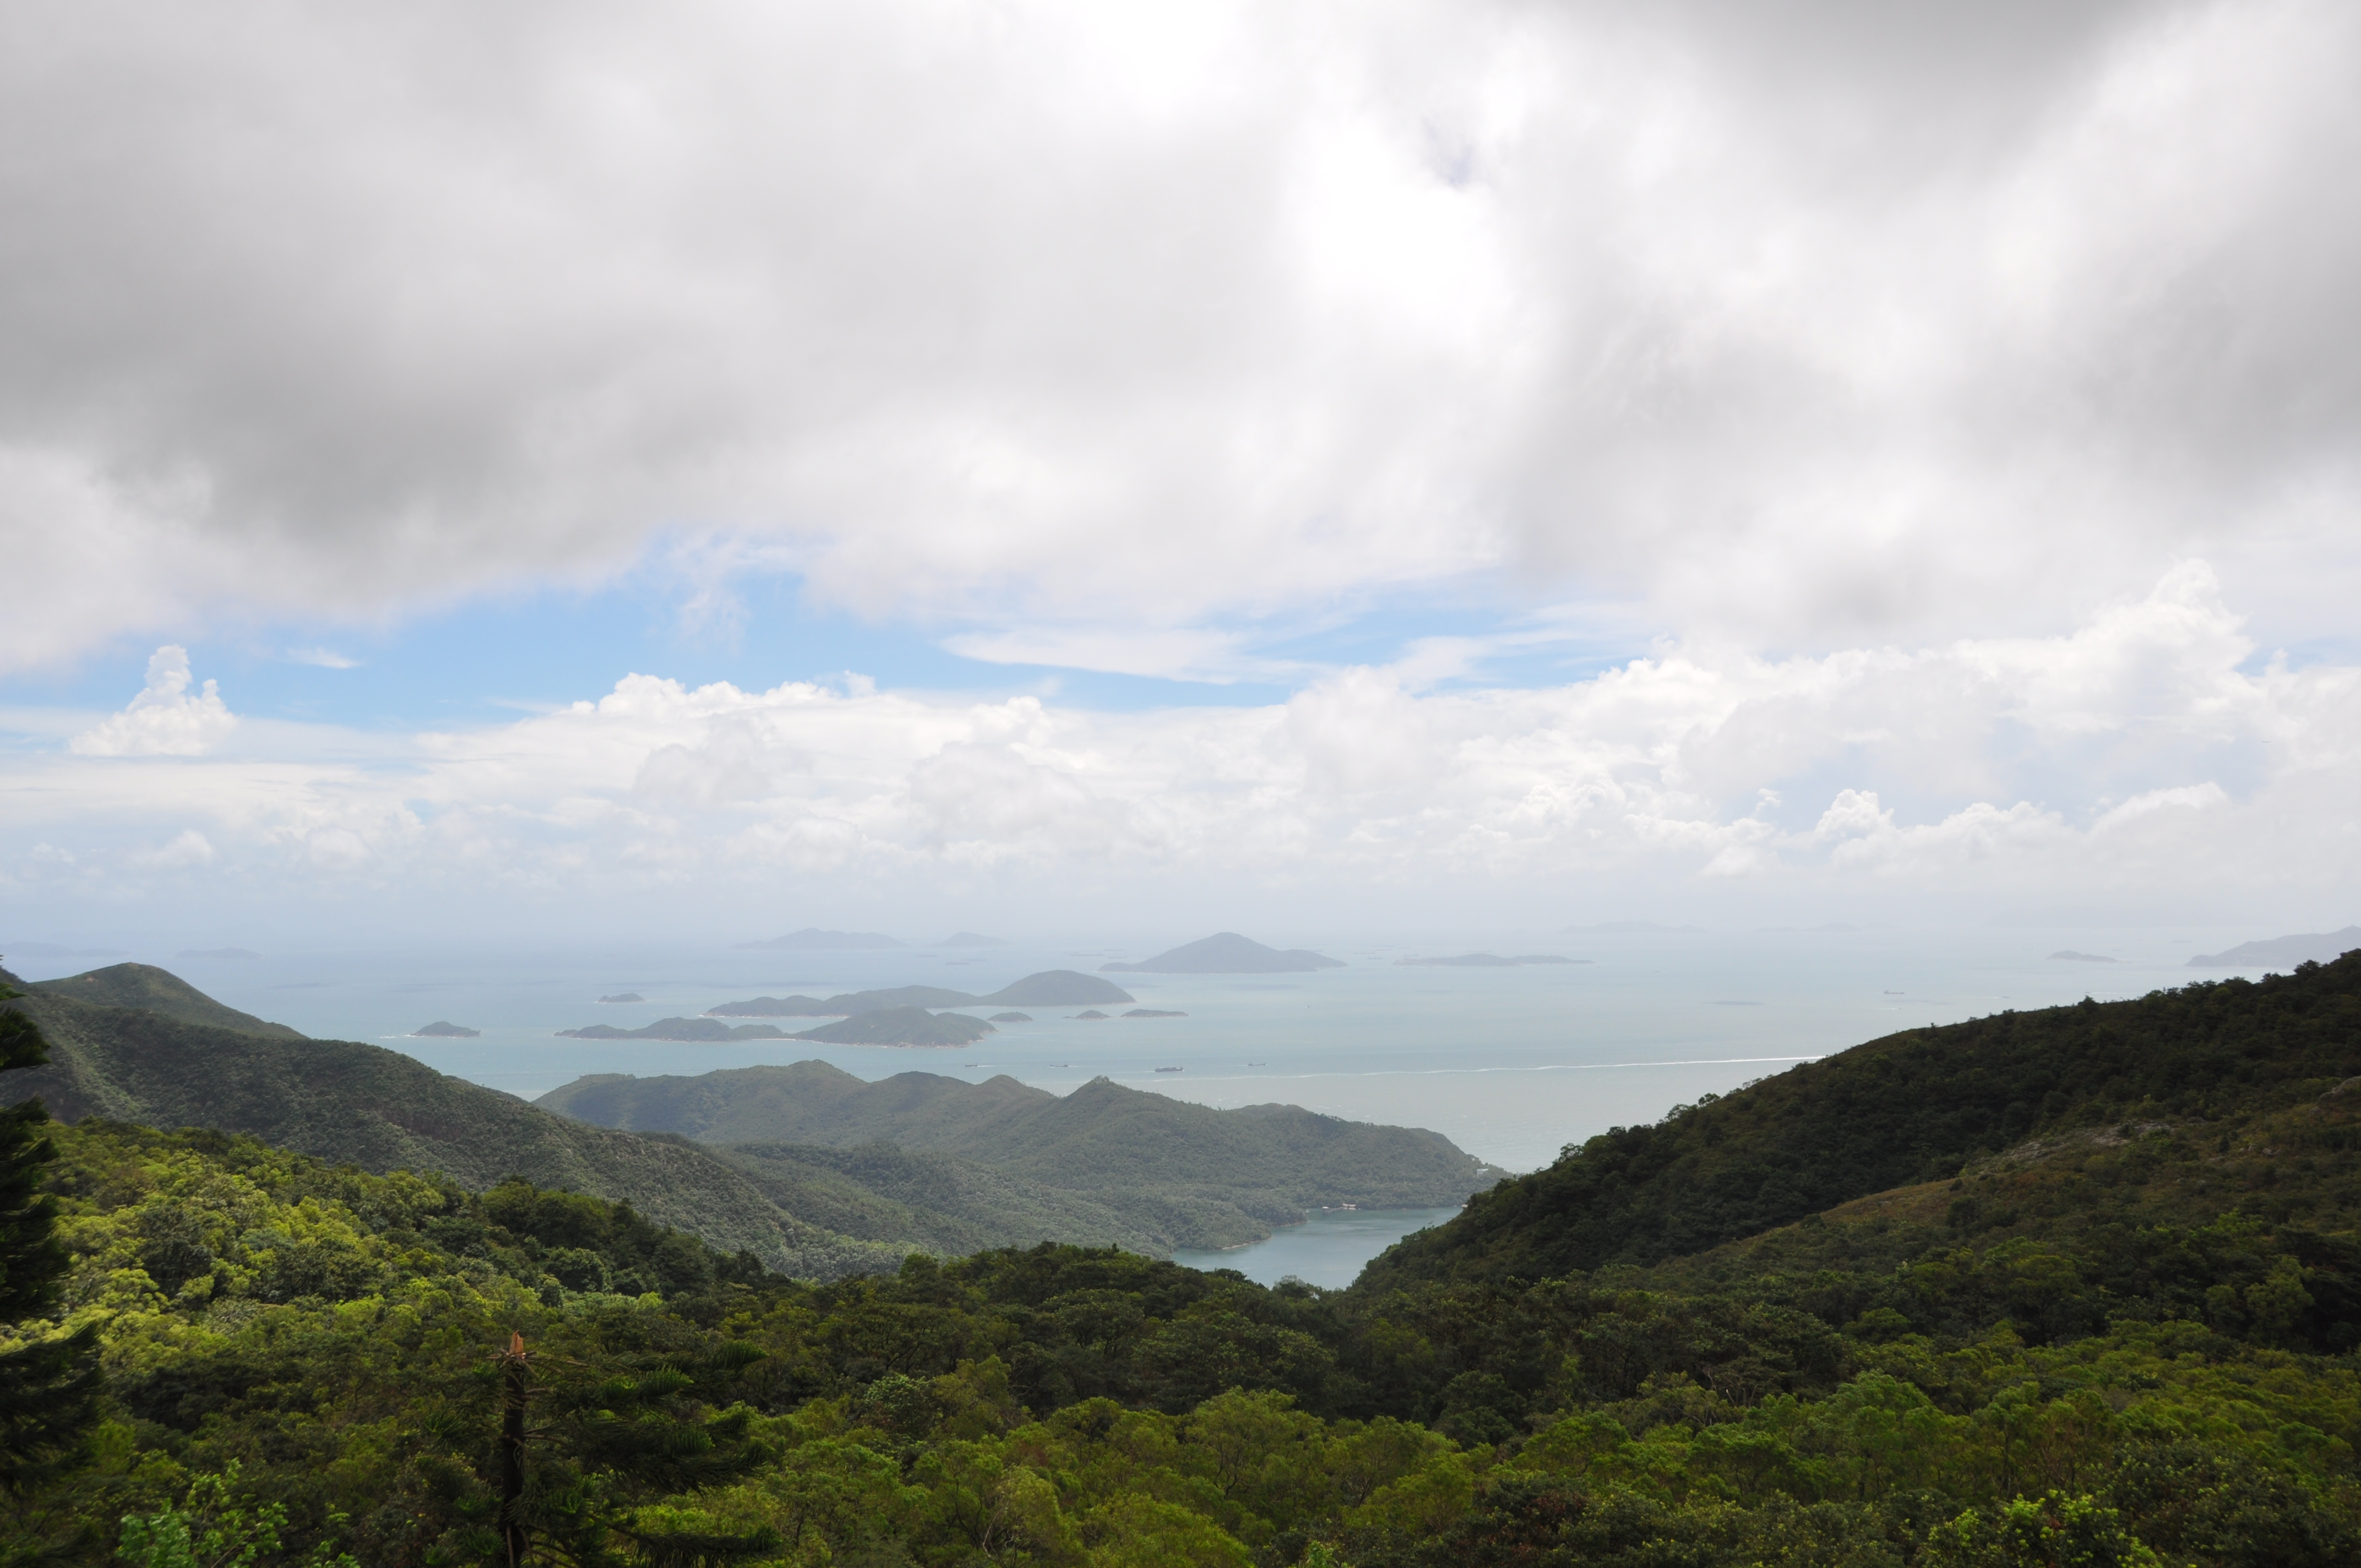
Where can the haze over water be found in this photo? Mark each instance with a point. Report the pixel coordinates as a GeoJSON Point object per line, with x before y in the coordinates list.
{"type": "Point", "coordinates": [1510, 1064]}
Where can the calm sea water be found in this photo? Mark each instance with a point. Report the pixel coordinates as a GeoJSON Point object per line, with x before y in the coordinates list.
{"type": "Point", "coordinates": [1510, 1064]}
{"type": "Point", "coordinates": [1327, 1250]}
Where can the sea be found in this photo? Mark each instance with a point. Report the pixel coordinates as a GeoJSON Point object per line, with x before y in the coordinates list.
{"type": "Point", "coordinates": [1511, 1064]}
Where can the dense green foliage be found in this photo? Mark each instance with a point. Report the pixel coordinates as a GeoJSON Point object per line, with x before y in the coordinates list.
{"type": "Point", "coordinates": [2130, 1340]}
{"type": "Point", "coordinates": [1902, 1109]}
{"type": "Point", "coordinates": [47, 1376]}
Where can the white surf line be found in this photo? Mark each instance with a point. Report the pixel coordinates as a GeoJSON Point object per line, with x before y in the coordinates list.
{"type": "Point", "coordinates": [1552, 1067]}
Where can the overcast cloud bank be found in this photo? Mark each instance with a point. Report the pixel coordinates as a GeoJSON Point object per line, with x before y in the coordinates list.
{"type": "Point", "coordinates": [1083, 332]}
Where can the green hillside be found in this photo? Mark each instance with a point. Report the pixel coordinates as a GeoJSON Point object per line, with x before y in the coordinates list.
{"type": "Point", "coordinates": [1104, 1163]}
{"type": "Point", "coordinates": [805, 1103]}
{"type": "Point", "coordinates": [946, 1206]}
{"type": "Point", "coordinates": [1911, 1107]}
{"type": "Point", "coordinates": [156, 991]}
{"type": "Point", "coordinates": [381, 1110]}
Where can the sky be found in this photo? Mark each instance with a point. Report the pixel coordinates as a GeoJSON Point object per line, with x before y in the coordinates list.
{"type": "Point", "coordinates": [1303, 468]}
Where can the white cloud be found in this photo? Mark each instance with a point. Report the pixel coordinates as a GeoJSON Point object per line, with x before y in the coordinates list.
{"type": "Point", "coordinates": [322, 659]}
{"type": "Point", "coordinates": [2186, 798]}
{"type": "Point", "coordinates": [1081, 330]}
{"type": "Point", "coordinates": [1979, 771]}
{"type": "Point", "coordinates": [188, 848]}
{"type": "Point", "coordinates": [163, 720]}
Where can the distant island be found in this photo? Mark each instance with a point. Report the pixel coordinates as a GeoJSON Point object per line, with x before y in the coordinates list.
{"type": "Point", "coordinates": [812, 939]}
{"type": "Point", "coordinates": [1050, 988]}
{"type": "Point", "coordinates": [844, 1006]}
{"type": "Point", "coordinates": [1226, 952]}
{"type": "Point", "coordinates": [626, 997]}
{"type": "Point", "coordinates": [907, 1026]}
{"type": "Point", "coordinates": [1059, 988]}
{"type": "Point", "coordinates": [1153, 1012]}
{"type": "Point", "coordinates": [442, 1029]}
{"type": "Point", "coordinates": [1491, 960]}
{"type": "Point", "coordinates": [901, 1026]}
{"type": "Point", "coordinates": [2071, 956]}
{"type": "Point", "coordinates": [2323, 947]}
{"type": "Point", "coordinates": [1093, 1013]}
{"type": "Point", "coordinates": [687, 1029]}
{"type": "Point", "coordinates": [241, 953]}
{"type": "Point", "coordinates": [1011, 1017]}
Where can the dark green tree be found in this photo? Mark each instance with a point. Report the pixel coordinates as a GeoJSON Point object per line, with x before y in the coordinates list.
{"type": "Point", "coordinates": [49, 1384]}
{"type": "Point", "coordinates": [582, 1447]}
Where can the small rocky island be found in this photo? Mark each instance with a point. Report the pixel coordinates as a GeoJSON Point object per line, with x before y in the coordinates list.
{"type": "Point", "coordinates": [1153, 1012]}
{"type": "Point", "coordinates": [626, 997]}
{"type": "Point", "coordinates": [1011, 1017]}
{"type": "Point", "coordinates": [442, 1029]}
{"type": "Point", "coordinates": [1093, 1013]}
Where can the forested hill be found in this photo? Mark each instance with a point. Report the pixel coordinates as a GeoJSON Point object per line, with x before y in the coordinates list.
{"type": "Point", "coordinates": [1910, 1107]}
{"type": "Point", "coordinates": [1101, 1134]}
{"type": "Point", "coordinates": [1001, 1161]}
{"type": "Point", "coordinates": [154, 989]}
{"type": "Point", "coordinates": [382, 1111]}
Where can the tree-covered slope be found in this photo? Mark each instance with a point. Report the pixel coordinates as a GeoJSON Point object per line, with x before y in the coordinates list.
{"type": "Point", "coordinates": [1907, 1108]}
{"type": "Point", "coordinates": [948, 1206]}
{"type": "Point", "coordinates": [1003, 1163]}
{"type": "Point", "coordinates": [382, 1111]}
{"type": "Point", "coordinates": [1155, 1160]}
{"type": "Point", "coordinates": [801, 1103]}
{"type": "Point", "coordinates": [1104, 1135]}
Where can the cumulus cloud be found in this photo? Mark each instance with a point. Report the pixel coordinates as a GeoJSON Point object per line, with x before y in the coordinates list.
{"type": "Point", "coordinates": [2135, 758]}
{"type": "Point", "coordinates": [164, 719]}
{"type": "Point", "coordinates": [1096, 332]}
{"type": "Point", "coordinates": [188, 848]}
